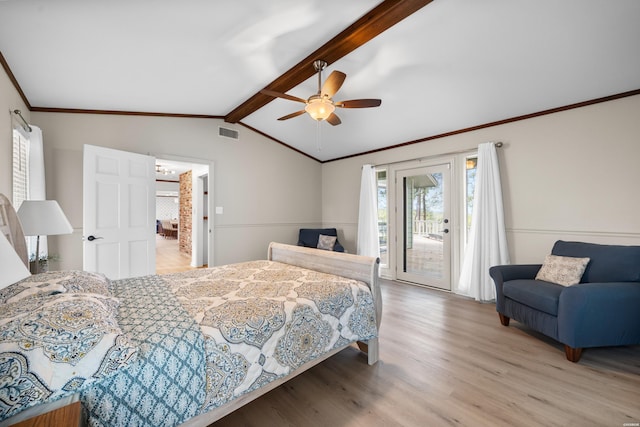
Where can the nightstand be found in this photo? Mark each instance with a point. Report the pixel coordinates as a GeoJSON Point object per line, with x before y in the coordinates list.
{"type": "Point", "coordinates": [67, 416]}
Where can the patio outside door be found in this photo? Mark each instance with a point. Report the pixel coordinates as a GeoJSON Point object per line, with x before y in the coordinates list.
{"type": "Point", "coordinates": [424, 227]}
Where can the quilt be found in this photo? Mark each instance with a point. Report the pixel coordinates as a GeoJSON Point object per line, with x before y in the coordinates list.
{"type": "Point", "coordinates": [180, 345]}
{"type": "Point", "coordinates": [263, 319]}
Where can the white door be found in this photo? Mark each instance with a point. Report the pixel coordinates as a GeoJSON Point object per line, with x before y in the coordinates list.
{"type": "Point", "coordinates": [118, 213]}
{"type": "Point", "coordinates": [423, 226]}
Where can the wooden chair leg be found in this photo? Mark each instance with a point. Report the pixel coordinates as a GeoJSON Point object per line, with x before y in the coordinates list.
{"type": "Point", "coordinates": [504, 319]}
{"type": "Point", "coordinates": [573, 354]}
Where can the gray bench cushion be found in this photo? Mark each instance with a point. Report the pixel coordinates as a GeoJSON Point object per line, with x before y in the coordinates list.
{"type": "Point", "coordinates": [536, 294]}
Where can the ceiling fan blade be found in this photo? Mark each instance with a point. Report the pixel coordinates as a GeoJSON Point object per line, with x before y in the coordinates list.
{"type": "Point", "coordinates": [359, 103]}
{"type": "Point", "coordinates": [282, 95]}
{"type": "Point", "coordinates": [334, 120]}
{"type": "Point", "coordinates": [333, 83]}
{"type": "Point", "coordinates": [292, 115]}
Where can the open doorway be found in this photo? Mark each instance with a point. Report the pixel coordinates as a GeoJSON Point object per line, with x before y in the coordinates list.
{"type": "Point", "coordinates": [182, 226]}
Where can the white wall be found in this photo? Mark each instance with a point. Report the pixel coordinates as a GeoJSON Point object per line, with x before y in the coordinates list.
{"type": "Point", "coordinates": [166, 207]}
{"type": "Point", "coordinates": [570, 175]}
{"type": "Point", "coordinates": [267, 191]}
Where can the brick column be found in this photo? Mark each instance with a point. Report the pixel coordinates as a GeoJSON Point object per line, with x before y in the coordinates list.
{"type": "Point", "coordinates": [186, 220]}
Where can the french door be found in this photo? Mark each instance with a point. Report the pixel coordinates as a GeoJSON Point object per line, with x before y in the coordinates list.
{"type": "Point", "coordinates": [423, 225]}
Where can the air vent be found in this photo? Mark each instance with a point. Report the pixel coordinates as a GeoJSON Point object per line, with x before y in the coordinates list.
{"type": "Point", "coordinates": [228, 133]}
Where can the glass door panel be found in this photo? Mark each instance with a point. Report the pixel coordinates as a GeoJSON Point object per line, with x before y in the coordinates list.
{"type": "Point", "coordinates": [383, 214]}
{"type": "Point", "coordinates": [424, 226]}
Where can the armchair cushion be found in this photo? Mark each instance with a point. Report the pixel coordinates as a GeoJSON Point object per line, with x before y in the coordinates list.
{"type": "Point", "coordinates": [543, 296]}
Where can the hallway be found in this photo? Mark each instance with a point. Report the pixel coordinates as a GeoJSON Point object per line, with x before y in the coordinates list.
{"type": "Point", "coordinates": [168, 258]}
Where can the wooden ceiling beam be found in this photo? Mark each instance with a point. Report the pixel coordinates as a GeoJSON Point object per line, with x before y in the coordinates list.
{"type": "Point", "coordinates": [376, 21]}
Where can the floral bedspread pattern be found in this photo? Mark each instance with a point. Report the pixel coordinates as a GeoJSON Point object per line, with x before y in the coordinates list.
{"type": "Point", "coordinates": [158, 350]}
{"type": "Point", "coordinates": [263, 319]}
{"type": "Point", "coordinates": [58, 334]}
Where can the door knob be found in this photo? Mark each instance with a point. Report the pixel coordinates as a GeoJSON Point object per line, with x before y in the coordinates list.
{"type": "Point", "coordinates": [92, 238]}
{"type": "Point", "coordinates": [446, 230]}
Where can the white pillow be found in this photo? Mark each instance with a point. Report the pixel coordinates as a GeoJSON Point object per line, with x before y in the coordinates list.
{"type": "Point", "coordinates": [12, 268]}
{"type": "Point", "coordinates": [562, 270]}
{"type": "Point", "coordinates": [326, 242]}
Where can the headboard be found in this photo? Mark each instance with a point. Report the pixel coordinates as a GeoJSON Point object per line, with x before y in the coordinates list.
{"type": "Point", "coordinates": [11, 228]}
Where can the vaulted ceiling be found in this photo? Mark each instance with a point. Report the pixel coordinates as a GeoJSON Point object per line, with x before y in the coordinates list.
{"type": "Point", "coordinates": [439, 66]}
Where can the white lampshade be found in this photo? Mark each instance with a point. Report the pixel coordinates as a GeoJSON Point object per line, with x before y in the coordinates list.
{"type": "Point", "coordinates": [12, 267]}
{"type": "Point", "coordinates": [319, 108]}
{"type": "Point", "coordinates": [43, 218]}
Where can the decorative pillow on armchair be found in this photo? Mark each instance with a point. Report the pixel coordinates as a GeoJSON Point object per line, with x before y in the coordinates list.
{"type": "Point", "coordinates": [326, 242]}
{"type": "Point", "coordinates": [562, 270]}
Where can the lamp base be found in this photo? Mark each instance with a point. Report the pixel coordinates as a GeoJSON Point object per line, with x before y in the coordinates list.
{"type": "Point", "coordinates": [36, 266]}
{"type": "Point", "coordinates": [41, 266]}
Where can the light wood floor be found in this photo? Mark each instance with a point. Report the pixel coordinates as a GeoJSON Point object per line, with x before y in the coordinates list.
{"type": "Point", "coordinates": [446, 360]}
{"type": "Point", "coordinates": [169, 259]}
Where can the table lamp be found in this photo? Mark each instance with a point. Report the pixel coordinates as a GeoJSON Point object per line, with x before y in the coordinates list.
{"type": "Point", "coordinates": [42, 218]}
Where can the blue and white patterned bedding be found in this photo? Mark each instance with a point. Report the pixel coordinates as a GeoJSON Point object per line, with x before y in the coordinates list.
{"type": "Point", "coordinates": [263, 319]}
{"type": "Point", "coordinates": [166, 386]}
{"type": "Point", "coordinates": [58, 334]}
{"type": "Point", "coordinates": [197, 340]}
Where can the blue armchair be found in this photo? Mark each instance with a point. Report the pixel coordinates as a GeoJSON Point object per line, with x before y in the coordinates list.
{"type": "Point", "coordinates": [602, 310]}
{"type": "Point", "coordinates": [308, 237]}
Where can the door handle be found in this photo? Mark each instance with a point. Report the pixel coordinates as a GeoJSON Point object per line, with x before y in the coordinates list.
{"type": "Point", "coordinates": [445, 231]}
{"type": "Point", "coordinates": [92, 238]}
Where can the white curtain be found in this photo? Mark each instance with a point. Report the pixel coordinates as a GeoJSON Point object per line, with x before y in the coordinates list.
{"type": "Point", "coordinates": [37, 189]}
{"type": "Point", "coordinates": [487, 245]}
{"type": "Point", "coordinates": [368, 243]}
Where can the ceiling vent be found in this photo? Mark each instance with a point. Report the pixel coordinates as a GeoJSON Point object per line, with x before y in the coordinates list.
{"type": "Point", "coordinates": [228, 133]}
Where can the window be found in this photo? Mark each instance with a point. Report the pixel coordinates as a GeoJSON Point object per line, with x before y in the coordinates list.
{"type": "Point", "coordinates": [470, 185]}
{"type": "Point", "coordinates": [383, 215]}
{"type": "Point", "coordinates": [20, 187]}
{"type": "Point", "coordinates": [20, 168]}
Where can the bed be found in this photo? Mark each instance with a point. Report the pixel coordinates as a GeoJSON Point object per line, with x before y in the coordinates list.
{"type": "Point", "coordinates": [184, 348]}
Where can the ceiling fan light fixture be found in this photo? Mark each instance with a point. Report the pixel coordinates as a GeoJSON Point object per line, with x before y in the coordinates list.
{"type": "Point", "coordinates": [319, 108]}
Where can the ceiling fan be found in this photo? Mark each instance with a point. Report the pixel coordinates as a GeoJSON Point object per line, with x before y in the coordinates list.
{"type": "Point", "coordinates": [321, 106]}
